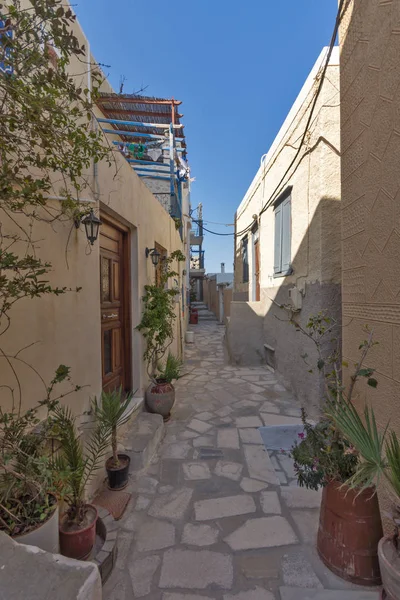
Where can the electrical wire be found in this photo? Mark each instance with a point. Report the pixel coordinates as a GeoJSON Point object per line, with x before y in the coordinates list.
{"type": "Point", "coordinates": [272, 198]}
{"type": "Point", "coordinates": [223, 234]}
{"type": "Point", "coordinates": [318, 91]}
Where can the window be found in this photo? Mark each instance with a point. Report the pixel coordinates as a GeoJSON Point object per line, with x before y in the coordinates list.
{"type": "Point", "coordinates": [282, 251]}
{"type": "Point", "coordinates": [245, 260]}
{"type": "Point", "coordinates": [161, 262]}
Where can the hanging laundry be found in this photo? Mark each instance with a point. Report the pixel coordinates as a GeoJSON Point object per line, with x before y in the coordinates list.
{"type": "Point", "coordinates": [154, 153]}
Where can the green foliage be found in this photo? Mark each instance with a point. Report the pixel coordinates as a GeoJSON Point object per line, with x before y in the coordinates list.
{"type": "Point", "coordinates": [172, 368]}
{"type": "Point", "coordinates": [77, 462]}
{"type": "Point", "coordinates": [364, 437]}
{"type": "Point", "coordinates": [26, 471]}
{"type": "Point", "coordinates": [110, 412]}
{"type": "Point", "coordinates": [159, 315]}
{"type": "Point", "coordinates": [325, 453]}
{"type": "Point", "coordinates": [48, 139]}
{"type": "Point", "coordinates": [379, 452]}
{"type": "Point", "coordinates": [321, 456]}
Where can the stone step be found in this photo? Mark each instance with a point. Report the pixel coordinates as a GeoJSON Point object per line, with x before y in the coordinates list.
{"type": "Point", "coordinates": [143, 440]}
{"type": "Point", "coordinates": [208, 318]}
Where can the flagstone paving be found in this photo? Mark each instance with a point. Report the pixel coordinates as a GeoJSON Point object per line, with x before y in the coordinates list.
{"type": "Point", "coordinates": [215, 516]}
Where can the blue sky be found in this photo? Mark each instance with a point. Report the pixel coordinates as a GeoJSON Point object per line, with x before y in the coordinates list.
{"type": "Point", "coordinates": [237, 66]}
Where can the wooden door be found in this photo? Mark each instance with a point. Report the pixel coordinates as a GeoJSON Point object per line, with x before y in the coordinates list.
{"type": "Point", "coordinates": [257, 268]}
{"type": "Point", "coordinates": [114, 279]}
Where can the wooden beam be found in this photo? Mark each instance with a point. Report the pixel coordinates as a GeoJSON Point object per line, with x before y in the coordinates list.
{"type": "Point", "coordinates": [139, 113]}
{"type": "Point", "coordinates": [137, 100]}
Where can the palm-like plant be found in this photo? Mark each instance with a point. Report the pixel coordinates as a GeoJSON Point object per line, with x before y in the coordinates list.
{"type": "Point", "coordinates": [111, 414]}
{"type": "Point", "coordinates": [77, 463]}
{"type": "Point", "coordinates": [379, 452]}
{"type": "Point", "coordinates": [171, 369]}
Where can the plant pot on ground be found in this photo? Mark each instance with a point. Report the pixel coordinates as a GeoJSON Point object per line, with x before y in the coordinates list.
{"type": "Point", "coordinates": [157, 328]}
{"type": "Point", "coordinates": [78, 463]}
{"type": "Point", "coordinates": [380, 464]}
{"type": "Point", "coordinates": [350, 523]}
{"type": "Point", "coordinates": [29, 510]}
{"type": "Point", "coordinates": [111, 412]}
{"type": "Point", "coordinates": [160, 395]}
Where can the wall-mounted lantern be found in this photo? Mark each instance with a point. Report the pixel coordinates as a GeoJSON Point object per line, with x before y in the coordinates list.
{"type": "Point", "coordinates": [155, 255]}
{"type": "Point", "coordinates": [92, 226]}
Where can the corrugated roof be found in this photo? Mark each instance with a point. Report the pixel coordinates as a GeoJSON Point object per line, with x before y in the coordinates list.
{"type": "Point", "coordinates": [144, 109]}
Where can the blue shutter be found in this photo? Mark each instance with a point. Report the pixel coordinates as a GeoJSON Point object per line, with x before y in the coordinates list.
{"type": "Point", "coordinates": [245, 260]}
{"type": "Point", "coordinates": [278, 240]}
{"type": "Point", "coordinates": [286, 234]}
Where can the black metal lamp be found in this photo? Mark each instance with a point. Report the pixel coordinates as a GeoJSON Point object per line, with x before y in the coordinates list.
{"type": "Point", "coordinates": [155, 255]}
{"type": "Point", "coordinates": [92, 225]}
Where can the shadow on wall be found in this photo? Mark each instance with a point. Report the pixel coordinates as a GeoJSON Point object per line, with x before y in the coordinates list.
{"type": "Point", "coordinates": [259, 332]}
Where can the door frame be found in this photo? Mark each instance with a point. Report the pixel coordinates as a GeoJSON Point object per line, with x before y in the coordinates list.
{"type": "Point", "coordinates": [126, 297]}
{"type": "Point", "coordinates": [255, 239]}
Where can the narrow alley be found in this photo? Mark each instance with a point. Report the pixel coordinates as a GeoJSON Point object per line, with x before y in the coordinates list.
{"type": "Point", "coordinates": [214, 515]}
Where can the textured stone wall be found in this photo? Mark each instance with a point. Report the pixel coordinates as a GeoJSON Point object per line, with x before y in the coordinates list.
{"type": "Point", "coordinates": [370, 138]}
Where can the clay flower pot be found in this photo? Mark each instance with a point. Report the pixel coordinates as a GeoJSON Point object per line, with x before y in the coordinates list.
{"type": "Point", "coordinates": [118, 476]}
{"type": "Point", "coordinates": [78, 542]}
{"type": "Point", "coordinates": [160, 398]}
{"type": "Point", "coordinates": [350, 528]}
{"type": "Point", "coordinates": [389, 562]}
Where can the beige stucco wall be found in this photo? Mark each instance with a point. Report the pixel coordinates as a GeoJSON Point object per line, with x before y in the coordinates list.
{"type": "Point", "coordinates": [370, 101]}
{"type": "Point", "coordinates": [66, 329]}
{"type": "Point", "coordinates": [315, 235]}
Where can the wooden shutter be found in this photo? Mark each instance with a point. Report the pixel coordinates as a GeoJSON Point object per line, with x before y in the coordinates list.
{"type": "Point", "coordinates": [278, 240]}
{"type": "Point", "coordinates": [286, 234]}
{"type": "Point", "coordinates": [245, 260]}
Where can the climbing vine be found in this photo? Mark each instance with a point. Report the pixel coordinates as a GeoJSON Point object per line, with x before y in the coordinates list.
{"type": "Point", "coordinates": [159, 315]}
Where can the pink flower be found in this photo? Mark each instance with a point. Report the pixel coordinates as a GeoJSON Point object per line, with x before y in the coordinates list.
{"type": "Point", "coordinates": [301, 436]}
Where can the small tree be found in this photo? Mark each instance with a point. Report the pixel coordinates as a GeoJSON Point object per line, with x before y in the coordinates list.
{"type": "Point", "coordinates": [110, 412]}
{"type": "Point", "coordinates": [48, 141]}
{"type": "Point", "coordinates": [159, 315]}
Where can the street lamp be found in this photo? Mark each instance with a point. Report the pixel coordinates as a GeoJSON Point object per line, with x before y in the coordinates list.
{"type": "Point", "coordinates": [92, 225]}
{"type": "Point", "coordinates": [155, 255]}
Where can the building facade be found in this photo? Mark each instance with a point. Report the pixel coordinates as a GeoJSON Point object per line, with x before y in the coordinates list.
{"type": "Point", "coordinates": [93, 331]}
{"type": "Point", "coordinates": [287, 240]}
{"type": "Point", "coordinates": [370, 134]}
{"type": "Point", "coordinates": [218, 290]}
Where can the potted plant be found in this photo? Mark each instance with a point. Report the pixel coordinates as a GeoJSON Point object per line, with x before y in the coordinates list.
{"type": "Point", "coordinates": [160, 396]}
{"type": "Point", "coordinates": [157, 327]}
{"type": "Point", "coordinates": [350, 523]}
{"type": "Point", "coordinates": [29, 510]}
{"type": "Point", "coordinates": [380, 462]}
{"type": "Point", "coordinates": [111, 412]}
{"type": "Point", "coordinates": [77, 463]}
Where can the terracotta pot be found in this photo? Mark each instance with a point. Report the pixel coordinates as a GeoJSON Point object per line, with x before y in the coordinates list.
{"type": "Point", "coordinates": [389, 562]}
{"type": "Point", "coordinates": [78, 544]}
{"type": "Point", "coordinates": [45, 536]}
{"type": "Point", "coordinates": [349, 531]}
{"type": "Point", "coordinates": [194, 316]}
{"type": "Point", "coordinates": [160, 398]}
{"type": "Point", "coordinates": [118, 476]}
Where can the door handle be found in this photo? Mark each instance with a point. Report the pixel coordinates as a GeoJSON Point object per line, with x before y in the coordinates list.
{"type": "Point", "coordinates": [110, 316]}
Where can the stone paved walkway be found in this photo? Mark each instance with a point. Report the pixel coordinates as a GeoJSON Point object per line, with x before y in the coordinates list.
{"type": "Point", "coordinates": [215, 516]}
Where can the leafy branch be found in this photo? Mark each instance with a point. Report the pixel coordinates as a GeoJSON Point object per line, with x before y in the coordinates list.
{"type": "Point", "coordinates": [159, 315]}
